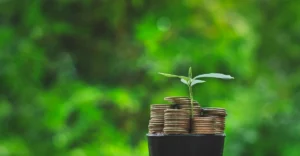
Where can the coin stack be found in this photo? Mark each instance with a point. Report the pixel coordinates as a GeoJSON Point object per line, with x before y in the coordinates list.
{"type": "Point", "coordinates": [185, 103]}
{"type": "Point", "coordinates": [156, 123]}
{"type": "Point", "coordinates": [220, 116]}
{"type": "Point", "coordinates": [175, 99]}
{"type": "Point", "coordinates": [176, 121]}
{"type": "Point", "coordinates": [203, 125]}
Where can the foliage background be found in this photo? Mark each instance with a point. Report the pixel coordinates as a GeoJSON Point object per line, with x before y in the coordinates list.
{"type": "Point", "coordinates": [77, 77]}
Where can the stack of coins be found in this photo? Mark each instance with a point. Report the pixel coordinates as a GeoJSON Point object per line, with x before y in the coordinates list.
{"type": "Point", "coordinates": [176, 121]}
{"type": "Point", "coordinates": [213, 111]}
{"type": "Point", "coordinates": [176, 99]}
{"type": "Point", "coordinates": [185, 103]}
{"type": "Point", "coordinates": [156, 123]}
{"type": "Point", "coordinates": [203, 125]}
{"type": "Point", "coordinates": [220, 116]}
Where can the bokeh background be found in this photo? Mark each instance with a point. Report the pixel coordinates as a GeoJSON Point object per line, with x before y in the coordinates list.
{"type": "Point", "coordinates": [77, 77]}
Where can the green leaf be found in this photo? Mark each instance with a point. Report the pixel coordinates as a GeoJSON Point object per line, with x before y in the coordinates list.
{"type": "Point", "coordinates": [196, 82]}
{"type": "Point", "coordinates": [184, 81]}
{"type": "Point", "coordinates": [177, 76]}
{"type": "Point", "coordinates": [214, 75]}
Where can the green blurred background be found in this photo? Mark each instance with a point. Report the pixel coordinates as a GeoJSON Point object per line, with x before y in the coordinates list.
{"type": "Point", "coordinates": [77, 77]}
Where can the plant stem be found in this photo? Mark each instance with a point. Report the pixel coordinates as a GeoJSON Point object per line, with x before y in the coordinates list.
{"type": "Point", "coordinates": [192, 100]}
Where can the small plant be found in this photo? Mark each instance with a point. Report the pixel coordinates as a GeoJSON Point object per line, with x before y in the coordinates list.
{"type": "Point", "coordinates": [190, 81]}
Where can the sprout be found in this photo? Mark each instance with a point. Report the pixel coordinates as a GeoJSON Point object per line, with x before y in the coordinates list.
{"type": "Point", "coordinates": [190, 81]}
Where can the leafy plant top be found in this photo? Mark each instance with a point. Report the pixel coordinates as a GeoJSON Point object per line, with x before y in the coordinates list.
{"type": "Point", "coordinates": [190, 81]}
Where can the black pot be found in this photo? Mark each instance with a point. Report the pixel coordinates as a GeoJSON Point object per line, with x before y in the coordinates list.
{"type": "Point", "coordinates": [186, 145]}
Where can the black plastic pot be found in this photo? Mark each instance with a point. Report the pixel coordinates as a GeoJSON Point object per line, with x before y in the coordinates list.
{"type": "Point", "coordinates": [186, 145]}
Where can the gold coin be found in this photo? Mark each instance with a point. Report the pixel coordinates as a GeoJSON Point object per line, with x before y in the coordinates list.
{"type": "Point", "coordinates": [175, 110]}
{"type": "Point", "coordinates": [176, 133]}
{"type": "Point", "coordinates": [214, 111]}
{"type": "Point", "coordinates": [156, 122]}
{"type": "Point", "coordinates": [176, 122]}
{"type": "Point", "coordinates": [175, 97]}
{"type": "Point", "coordinates": [157, 117]}
{"type": "Point", "coordinates": [175, 114]}
{"type": "Point", "coordinates": [161, 105]}
{"type": "Point", "coordinates": [186, 101]}
{"type": "Point", "coordinates": [201, 119]}
{"type": "Point", "coordinates": [166, 129]}
{"type": "Point", "coordinates": [177, 119]}
{"type": "Point", "coordinates": [207, 125]}
{"type": "Point", "coordinates": [203, 133]}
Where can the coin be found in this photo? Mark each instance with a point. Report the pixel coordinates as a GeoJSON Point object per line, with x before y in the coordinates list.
{"type": "Point", "coordinates": [172, 99]}
{"type": "Point", "coordinates": [186, 102]}
{"type": "Point", "coordinates": [176, 122]}
{"type": "Point", "coordinates": [181, 113]}
{"type": "Point", "coordinates": [175, 97]}
{"type": "Point", "coordinates": [174, 128]}
{"type": "Point", "coordinates": [176, 110]}
{"type": "Point", "coordinates": [209, 118]}
{"type": "Point", "coordinates": [213, 111]}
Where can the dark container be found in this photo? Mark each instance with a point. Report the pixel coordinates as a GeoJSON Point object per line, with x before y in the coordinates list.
{"type": "Point", "coordinates": [186, 145]}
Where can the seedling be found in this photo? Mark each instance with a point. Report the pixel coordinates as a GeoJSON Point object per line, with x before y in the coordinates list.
{"type": "Point", "coordinates": [190, 81]}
